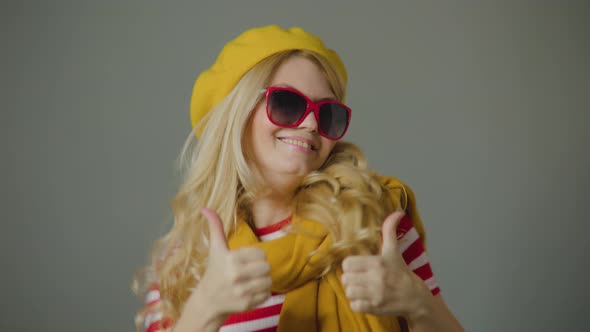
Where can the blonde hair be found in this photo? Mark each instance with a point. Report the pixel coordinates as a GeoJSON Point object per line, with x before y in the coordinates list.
{"type": "Point", "coordinates": [342, 194]}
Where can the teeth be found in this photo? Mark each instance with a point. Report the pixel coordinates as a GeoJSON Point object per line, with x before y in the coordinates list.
{"type": "Point", "coordinates": [299, 143]}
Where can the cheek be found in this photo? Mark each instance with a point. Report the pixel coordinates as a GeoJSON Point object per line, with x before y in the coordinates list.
{"type": "Point", "coordinates": [261, 129]}
{"type": "Point", "coordinates": [327, 146]}
{"type": "Point", "coordinates": [257, 116]}
{"type": "Point", "coordinates": [258, 122]}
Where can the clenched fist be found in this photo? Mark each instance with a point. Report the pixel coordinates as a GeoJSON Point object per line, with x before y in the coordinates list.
{"type": "Point", "coordinates": [235, 280]}
{"type": "Point", "coordinates": [384, 284]}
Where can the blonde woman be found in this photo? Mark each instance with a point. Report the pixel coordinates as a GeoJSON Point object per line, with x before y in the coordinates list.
{"type": "Point", "coordinates": [278, 223]}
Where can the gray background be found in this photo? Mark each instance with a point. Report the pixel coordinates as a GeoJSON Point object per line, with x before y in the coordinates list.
{"type": "Point", "coordinates": [481, 106]}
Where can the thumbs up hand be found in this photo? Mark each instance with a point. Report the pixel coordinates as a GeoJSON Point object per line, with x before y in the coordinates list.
{"type": "Point", "coordinates": [235, 280]}
{"type": "Point", "coordinates": [384, 284]}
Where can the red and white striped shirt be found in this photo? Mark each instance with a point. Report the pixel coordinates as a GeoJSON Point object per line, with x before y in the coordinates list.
{"type": "Point", "coordinates": [265, 317]}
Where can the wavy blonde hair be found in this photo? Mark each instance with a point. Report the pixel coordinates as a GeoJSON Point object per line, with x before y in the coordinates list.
{"type": "Point", "coordinates": [342, 195]}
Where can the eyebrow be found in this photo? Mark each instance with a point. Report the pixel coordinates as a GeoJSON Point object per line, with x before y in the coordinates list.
{"type": "Point", "coordinates": [294, 88]}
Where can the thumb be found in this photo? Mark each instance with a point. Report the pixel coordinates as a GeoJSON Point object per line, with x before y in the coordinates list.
{"type": "Point", "coordinates": [218, 242]}
{"type": "Point", "coordinates": [389, 231]}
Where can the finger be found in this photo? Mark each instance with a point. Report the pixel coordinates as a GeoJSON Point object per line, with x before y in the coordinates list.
{"type": "Point", "coordinates": [354, 264]}
{"type": "Point", "coordinates": [255, 270]}
{"type": "Point", "coordinates": [354, 278]}
{"type": "Point", "coordinates": [357, 292]}
{"type": "Point", "coordinates": [247, 302]}
{"type": "Point", "coordinates": [249, 254]}
{"type": "Point", "coordinates": [259, 298]}
{"type": "Point", "coordinates": [216, 233]}
{"type": "Point", "coordinates": [390, 245]}
{"type": "Point", "coordinates": [360, 263]}
{"type": "Point", "coordinates": [254, 286]}
{"type": "Point", "coordinates": [360, 306]}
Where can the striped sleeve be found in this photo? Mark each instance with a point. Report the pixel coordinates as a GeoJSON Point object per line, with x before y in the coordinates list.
{"type": "Point", "coordinates": [265, 317]}
{"type": "Point", "coordinates": [414, 254]}
{"type": "Point", "coordinates": [154, 320]}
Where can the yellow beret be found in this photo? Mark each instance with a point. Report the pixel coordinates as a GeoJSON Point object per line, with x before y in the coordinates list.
{"type": "Point", "coordinates": [241, 54]}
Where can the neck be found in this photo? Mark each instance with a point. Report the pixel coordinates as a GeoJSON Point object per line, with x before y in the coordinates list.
{"type": "Point", "coordinates": [274, 204]}
{"type": "Point", "coordinates": [269, 209]}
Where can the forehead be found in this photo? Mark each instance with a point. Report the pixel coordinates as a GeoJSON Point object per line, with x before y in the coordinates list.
{"type": "Point", "coordinates": [304, 75]}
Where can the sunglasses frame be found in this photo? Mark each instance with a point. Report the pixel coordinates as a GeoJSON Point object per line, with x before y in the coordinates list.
{"type": "Point", "coordinates": [310, 106]}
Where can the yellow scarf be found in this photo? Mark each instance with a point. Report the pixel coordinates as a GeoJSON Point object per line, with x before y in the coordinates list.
{"type": "Point", "coordinates": [312, 303]}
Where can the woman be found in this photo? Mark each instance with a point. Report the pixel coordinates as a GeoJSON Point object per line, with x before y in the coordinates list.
{"type": "Point", "coordinates": [278, 223]}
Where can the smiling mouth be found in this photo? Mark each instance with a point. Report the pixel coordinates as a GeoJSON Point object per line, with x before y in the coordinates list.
{"type": "Point", "coordinates": [298, 143]}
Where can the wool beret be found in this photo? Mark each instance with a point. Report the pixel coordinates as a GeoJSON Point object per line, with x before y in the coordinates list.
{"type": "Point", "coordinates": [242, 53]}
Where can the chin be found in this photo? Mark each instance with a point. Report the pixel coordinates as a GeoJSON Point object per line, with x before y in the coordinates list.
{"type": "Point", "coordinates": [297, 171]}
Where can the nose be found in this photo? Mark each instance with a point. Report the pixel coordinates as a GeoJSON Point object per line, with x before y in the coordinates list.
{"type": "Point", "coordinates": [309, 123]}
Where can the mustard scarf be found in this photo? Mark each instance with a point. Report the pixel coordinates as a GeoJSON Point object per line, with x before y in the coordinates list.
{"type": "Point", "coordinates": [312, 303]}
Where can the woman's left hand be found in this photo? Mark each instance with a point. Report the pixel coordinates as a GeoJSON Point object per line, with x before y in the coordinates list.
{"type": "Point", "coordinates": [384, 284]}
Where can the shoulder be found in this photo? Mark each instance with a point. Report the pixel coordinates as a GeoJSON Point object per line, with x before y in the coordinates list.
{"type": "Point", "coordinates": [403, 197]}
{"type": "Point", "coordinates": [399, 190]}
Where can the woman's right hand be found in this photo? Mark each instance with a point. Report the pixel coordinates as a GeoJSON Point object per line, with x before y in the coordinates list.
{"type": "Point", "coordinates": [235, 281]}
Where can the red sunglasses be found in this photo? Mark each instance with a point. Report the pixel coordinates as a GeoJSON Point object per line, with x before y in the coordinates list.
{"type": "Point", "coordinates": [287, 108]}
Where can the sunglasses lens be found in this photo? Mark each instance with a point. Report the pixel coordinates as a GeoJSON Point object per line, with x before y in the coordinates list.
{"type": "Point", "coordinates": [285, 107]}
{"type": "Point", "coordinates": [333, 120]}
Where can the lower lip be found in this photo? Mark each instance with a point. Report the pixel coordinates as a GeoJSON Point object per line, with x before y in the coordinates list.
{"type": "Point", "coordinates": [299, 148]}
